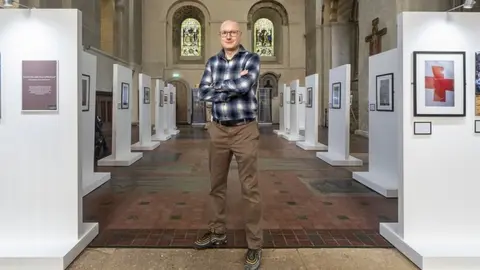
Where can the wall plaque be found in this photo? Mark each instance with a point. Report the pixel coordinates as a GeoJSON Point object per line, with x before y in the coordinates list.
{"type": "Point", "coordinates": [39, 85]}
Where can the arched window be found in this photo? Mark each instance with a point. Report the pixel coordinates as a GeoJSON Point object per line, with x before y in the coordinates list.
{"type": "Point", "coordinates": [191, 38]}
{"type": "Point", "coordinates": [264, 37]}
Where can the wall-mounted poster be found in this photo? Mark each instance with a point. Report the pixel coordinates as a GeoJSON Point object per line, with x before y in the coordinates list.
{"type": "Point", "coordinates": [146, 95]}
{"type": "Point", "coordinates": [281, 99]}
{"type": "Point", "coordinates": [477, 84]}
{"type": "Point", "coordinates": [309, 103]}
{"type": "Point", "coordinates": [336, 95]}
{"type": "Point", "coordinates": [161, 99]}
{"type": "Point", "coordinates": [125, 96]}
{"type": "Point", "coordinates": [165, 99]}
{"type": "Point", "coordinates": [39, 85]}
{"type": "Point", "coordinates": [384, 92]}
{"type": "Point", "coordinates": [85, 93]}
{"type": "Point", "coordinates": [439, 83]}
{"type": "Point", "coordinates": [171, 98]}
{"type": "Point", "coordinates": [292, 96]}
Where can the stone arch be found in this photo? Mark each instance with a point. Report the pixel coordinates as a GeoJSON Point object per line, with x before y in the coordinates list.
{"type": "Point", "coordinates": [176, 14]}
{"type": "Point", "coordinates": [276, 13]}
{"type": "Point", "coordinates": [270, 80]}
{"type": "Point", "coordinates": [183, 99]}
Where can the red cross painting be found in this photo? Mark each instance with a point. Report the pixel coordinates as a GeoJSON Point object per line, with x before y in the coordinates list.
{"type": "Point", "coordinates": [439, 84]}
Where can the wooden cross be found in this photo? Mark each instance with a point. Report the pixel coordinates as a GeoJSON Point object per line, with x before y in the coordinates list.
{"type": "Point", "coordinates": [374, 38]}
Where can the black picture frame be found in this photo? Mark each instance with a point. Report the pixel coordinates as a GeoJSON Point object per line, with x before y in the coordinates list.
{"type": "Point", "coordinates": [476, 126]}
{"type": "Point", "coordinates": [161, 98]}
{"type": "Point", "coordinates": [125, 96]}
{"type": "Point", "coordinates": [339, 105]}
{"type": "Point", "coordinates": [85, 93]}
{"type": "Point", "coordinates": [281, 99]}
{"type": "Point", "coordinates": [416, 104]}
{"type": "Point", "coordinates": [372, 107]}
{"type": "Point", "coordinates": [171, 98]}
{"type": "Point", "coordinates": [378, 106]}
{"type": "Point", "coordinates": [416, 132]}
{"type": "Point", "coordinates": [292, 97]}
{"type": "Point", "coordinates": [146, 95]}
{"type": "Point", "coordinates": [309, 102]}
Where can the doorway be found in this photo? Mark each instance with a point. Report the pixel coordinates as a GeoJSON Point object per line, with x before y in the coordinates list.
{"type": "Point", "coordinates": [181, 101]}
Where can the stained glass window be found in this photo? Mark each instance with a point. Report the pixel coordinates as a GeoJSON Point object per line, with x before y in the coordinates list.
{"type": "Point", "coordinates": [264, 37]}
{"type": "Point", "coordinates": [191, 38]}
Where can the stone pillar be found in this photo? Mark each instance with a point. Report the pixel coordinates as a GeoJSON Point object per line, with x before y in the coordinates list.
{"type": "Point", "coordinates": [121, 38]}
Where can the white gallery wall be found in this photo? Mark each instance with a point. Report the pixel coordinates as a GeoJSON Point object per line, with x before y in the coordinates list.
{"type": "Point", "coordinates": [281, 105]}
{"type": "Point", "coordinates": [382, 174]}
{"type": "Point", "coordinates": [311, 115]}
{"type": "Point", "coordinates": [293, 133]}
{"type": "Point", "coordinates": [438, 193]}
{"type": "Point", "coordinates": [301, 107]}
{"type": "Point", "coordinates": [286, 109]}
{"type": "Point", "coordinates": [171, 115]}
{"type": "Point", "coordinates": [338, 153]}
{"type": "Point", "coordinates": [161, 112]}
{"type": "Point", "coordinates": [40, 128]}
{"type": "Point", "coordinates": [90, 179]}
{"type": "Point", "coordinates": [145, 94]}
{"type": "Point", "coordinates": [122, 154]}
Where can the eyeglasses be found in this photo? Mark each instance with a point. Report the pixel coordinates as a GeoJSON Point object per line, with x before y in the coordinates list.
{"type": "Point", "coordinates": [231, 33]}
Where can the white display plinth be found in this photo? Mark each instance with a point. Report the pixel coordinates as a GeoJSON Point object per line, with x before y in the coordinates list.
{"type": "Point", "coordinates": [90, 180]}
{"type": "Point", "coordinates": [172, 127]}
{"type": "Point", "coordinates": [339, 121]}
{"type": "Point", "coordinates": [41, 196]}
{"type": "Point", "coordinates": [122, 154]}
{"type": "Point", "coordinates": [301, 107]}
{"type": "Point", "coordinates": [145, 92]}
{"type": "Point", "coordinates": [281, 106]}
{"type": "Point", "coordinates": [312, 108]}
{"type": "Point", "coordinates": [293, 133]}
{"type": "Point", "coordinates": [438, 190]}
{"type": "Point", "coordinates": [161, 112]}
{"type": "Point", "coordinates": [382, 175]}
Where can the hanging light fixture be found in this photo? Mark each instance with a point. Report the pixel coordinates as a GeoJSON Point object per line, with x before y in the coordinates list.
{"type": "Point", "coordinates": [7, 3]}
{"type": "Point", "coordinates": [469, 4]}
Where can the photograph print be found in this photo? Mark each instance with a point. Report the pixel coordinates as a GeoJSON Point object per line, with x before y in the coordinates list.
{"type": "Point", "coordinates": [125, 97]}
{"type": "Point", "coordinates": [146, 95]}
{"type": "Point", "coordinates": [292, 96]}
{"type": "Point", "coordinates": [161, 99]}
{"type": "Point", "coordinates": [384, 92]}
{"type": "Point", "coordinates": [309, 103]}
{"type": "Point", "coordinates": [336, 95]}
{"type": "Point", "coordinates": [85, 93]}
{"type": "Point", "coordinates": [477, 84]}
{"type": "Point", "coordinates": [281, 99]}
{"type": "Point", "coordinates": [439, 84]}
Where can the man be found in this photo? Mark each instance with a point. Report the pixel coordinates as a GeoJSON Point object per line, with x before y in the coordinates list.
{"type": "Point", "coordinates": [229, 82]}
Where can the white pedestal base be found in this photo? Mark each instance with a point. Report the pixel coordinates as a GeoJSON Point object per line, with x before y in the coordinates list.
{"type": "Point", "coordinates": [336, 160]}
{"type": "Point", "coordinates": [100, 178]}
{"type": "Point", "coordinates": [45, 255]}
{"type": "Point", "coordinates": [149, 146]}
{"type": "Point", "coordinates": [382, 185]}
{"type": "Point", "coordinates": [173, 132]}
{"type": "Point", "coordinates": [125, 161]}
{"type": "Point", "coordinates": [293, 137]}
{"type": "Point", "coordinates": [439, 254]}
{"type": "Point", "coordinates": [310, 146]}
{"type": "Point", "coordinates": [161, 137]}
{"type": "Point", "coordinates": [278, 132]}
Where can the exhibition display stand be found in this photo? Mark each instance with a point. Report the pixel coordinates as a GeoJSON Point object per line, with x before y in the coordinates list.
{"type": "Point", "coordinates": [145, 115]}
{"type": "Point", "coordinates": [339, 120]}
{"type": "Point", "coordinates": [172, 112]}
{"type": "Point", "coordinates": [90, 180]}
{"type": "Point", "coordinates": [40, 128]}
{"type": "Point", "coordinates": [438, 142]}
{"type": "Point", "coordinates": [382, 174]}
{"type": "Point", "coordinates": [293, 133]}
{"type": "Point", "coordinates": [281, 106]}
{"type": "Point", "coordinates": [122, 154]}
{"type": "Point", "coordinates": [301, 108]}
{"type": "Point", "coordinates": [161, 112]}
{"type": "Point", "coordinates": [311, 115]}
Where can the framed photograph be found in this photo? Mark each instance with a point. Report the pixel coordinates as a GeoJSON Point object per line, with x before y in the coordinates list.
{"type": "Point", "coordinates": [422, 128]}
{"type": "Point", "coordinates": [384, 92]}
{"type": "Point", "coordinates": [125, 97]}
{"type": "Point", "coordinates": [161, 99]}
{"type": "Point", "coordinates": [439, 84]}
{"type": "Point", "coordinates": [477, 84]}
{"type": "Point", "coordinates": [281, 99]}
{"type": "Point", "coordinates": [309, 102]}
{"type": "Point", "coordinates": [39, 86]}
{"type": "Point", "coordinates": [171, 97]}
{"type": "Point", "coordinates": [146, 95]}
{"type": "Point", "coordinates": [165, 98]}
{"type": "Point", "coordinates": [477, 126]}
{"type": "Point", "coordinates": [372, 107]}
{"type": "Point", "coordinates": [85, 93]}
{"type": "Point", "coordinates": [336, 95]}
{"type": "Point", "coordinates": [292, 96]}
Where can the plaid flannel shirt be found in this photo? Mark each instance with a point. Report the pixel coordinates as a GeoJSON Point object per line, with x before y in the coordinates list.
{"type": "Point", "coordinates": [233, 96]}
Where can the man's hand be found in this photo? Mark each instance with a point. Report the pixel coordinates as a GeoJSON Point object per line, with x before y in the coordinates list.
{"type": "Point", "coordinates": [244, 72]}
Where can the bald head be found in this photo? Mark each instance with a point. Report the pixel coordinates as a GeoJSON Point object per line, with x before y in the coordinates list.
{"type": "Point", "coordinates": [230, 35]}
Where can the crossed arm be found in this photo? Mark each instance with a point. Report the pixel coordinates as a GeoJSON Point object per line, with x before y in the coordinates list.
{"type": "Point", "coordinates": [220, 91]}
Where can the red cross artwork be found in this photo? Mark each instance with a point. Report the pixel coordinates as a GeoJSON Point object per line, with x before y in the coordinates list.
{"type": "Point", "coordinates": [439, 84]}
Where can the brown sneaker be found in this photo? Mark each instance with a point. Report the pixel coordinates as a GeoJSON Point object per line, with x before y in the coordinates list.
{"type": "Point", "coordinates": [209, 240]}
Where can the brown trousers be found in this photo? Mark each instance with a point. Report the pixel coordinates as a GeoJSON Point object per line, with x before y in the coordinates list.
{"type": "Point", "coordinates": [241, 141]}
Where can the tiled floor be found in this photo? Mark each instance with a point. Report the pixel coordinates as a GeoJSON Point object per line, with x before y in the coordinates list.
{"type": "Point", "coordinates": [161, 200]}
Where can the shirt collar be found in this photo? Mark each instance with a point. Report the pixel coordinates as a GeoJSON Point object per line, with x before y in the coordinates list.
{"type": "Point", "coordinates": [241, 50]}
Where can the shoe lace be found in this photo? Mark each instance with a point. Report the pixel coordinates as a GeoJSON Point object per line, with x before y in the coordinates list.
{"type": "Point", "coordinates": [251, 254]}
{"type": "Point", "coordinates": [206, 236]}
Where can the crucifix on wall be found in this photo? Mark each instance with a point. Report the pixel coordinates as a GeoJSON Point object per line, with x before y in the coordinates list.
{"type": "Point", "coordinates": [374, 38]}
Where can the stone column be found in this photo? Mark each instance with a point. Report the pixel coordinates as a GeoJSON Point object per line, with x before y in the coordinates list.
{"type": "Point", "coordinates": [121, 29]}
